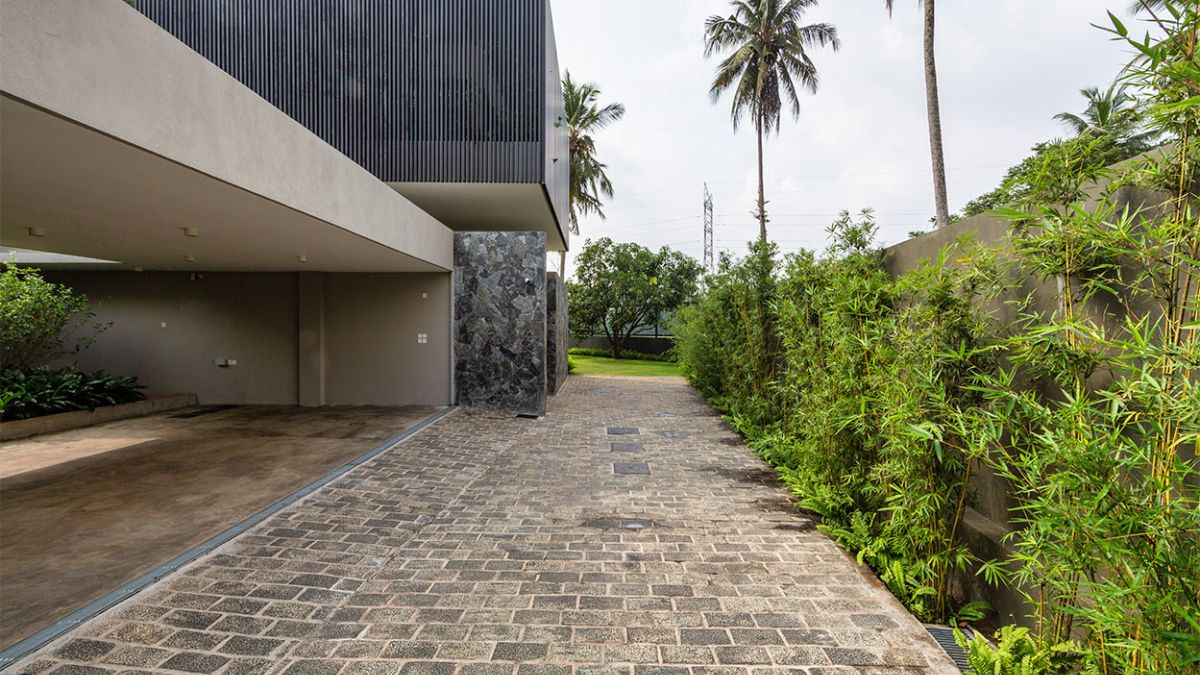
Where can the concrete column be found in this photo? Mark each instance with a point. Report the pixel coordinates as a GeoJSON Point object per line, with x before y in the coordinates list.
{"type": "Point", "coordinates": [311, 339]}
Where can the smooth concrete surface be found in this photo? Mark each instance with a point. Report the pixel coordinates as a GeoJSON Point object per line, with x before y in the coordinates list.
{"type": "Point", "coordinates": [374, 351]}
{"type": "Point", "coordinates": [169, 329]}
{"type": "Point", "coordinates": [49, 424]}
{"type": "Point", "coordinates": [78, 528]}
{"type": "Point", "coordinates": [105, 67]}
{"type": "Point", "coordinates": [490, 206]}
{"type": "Point", "coordinates": [313, 339]}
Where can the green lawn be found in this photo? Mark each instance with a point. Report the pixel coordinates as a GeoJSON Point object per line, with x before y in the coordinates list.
{"type": "Point", "coordinates": [598, 365]}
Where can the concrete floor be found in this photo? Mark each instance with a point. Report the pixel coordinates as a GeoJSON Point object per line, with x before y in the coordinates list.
{"type": "Point", "coordinates": [85, 510]}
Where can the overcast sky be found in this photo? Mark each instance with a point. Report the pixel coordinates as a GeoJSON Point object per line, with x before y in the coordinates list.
{"type": "Point", "coordinates": [1005, 67]}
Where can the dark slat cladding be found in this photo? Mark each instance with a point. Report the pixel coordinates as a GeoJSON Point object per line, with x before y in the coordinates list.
{"type": "Point", "coordinates": [413, 90]}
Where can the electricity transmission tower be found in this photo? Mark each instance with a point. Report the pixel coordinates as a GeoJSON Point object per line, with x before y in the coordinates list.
{"type": "Point", "coordinates": [708, 229]}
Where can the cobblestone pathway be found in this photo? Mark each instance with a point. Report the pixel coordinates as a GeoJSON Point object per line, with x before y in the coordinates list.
{"type": "Point", "coordinates": [628, 531]}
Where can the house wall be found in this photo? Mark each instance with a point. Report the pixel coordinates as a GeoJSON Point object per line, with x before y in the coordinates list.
{"type": "Point", "coordinates": [415, 91]}
{"type": "Point", "coordinates": [311, 338]}
{"type": "Point", "coordinates": [168, 329]}
{"type": "Point", "coordinates": [372, 322]}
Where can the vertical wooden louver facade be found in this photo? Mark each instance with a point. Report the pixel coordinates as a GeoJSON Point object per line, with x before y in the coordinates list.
{"type": "Point", "coordinates": [416, 91]}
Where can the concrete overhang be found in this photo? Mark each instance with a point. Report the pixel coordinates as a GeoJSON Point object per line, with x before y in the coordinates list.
{"type": "Point", "coordinates": [490, 206]}
{"type": "Point", "coordinates": [119, 143]}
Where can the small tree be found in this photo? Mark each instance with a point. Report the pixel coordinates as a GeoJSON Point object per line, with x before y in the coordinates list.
{"type": "Point", "coordinates": [622, 287]}
{"type": "Point", "coordinates": [38, 319]}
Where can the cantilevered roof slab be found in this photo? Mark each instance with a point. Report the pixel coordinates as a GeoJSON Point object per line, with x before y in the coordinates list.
{"type": "Point", "coordinates": [118, 142]}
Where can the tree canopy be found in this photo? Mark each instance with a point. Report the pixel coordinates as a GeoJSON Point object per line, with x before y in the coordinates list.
{"type": "Point", "coordinates": [619, 288]}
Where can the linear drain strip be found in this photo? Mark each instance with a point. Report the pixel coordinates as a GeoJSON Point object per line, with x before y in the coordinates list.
{"type": "Point", "coordinates": [944, 637]}
{"type": "Point", "coordinates": [202, 411]}
{"type": "Point", "coordinates": [55, 630]}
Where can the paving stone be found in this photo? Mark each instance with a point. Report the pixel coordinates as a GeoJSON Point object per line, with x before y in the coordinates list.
{"type": "Point", "coordinates": [84, 650]}
{"type": "Point", "coordinates": [626, 447]}
{"type": "Point", "coordinates": [193, 662]}
{"type": "Point", "coordinates": [494, 546]}
{"type": "Point", "coordinates": [519, 651]}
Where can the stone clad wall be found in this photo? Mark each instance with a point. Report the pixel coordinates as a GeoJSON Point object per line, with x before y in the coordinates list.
{"type": "Point", "coordinates": [558, 333]}
{"type": "Point", "coordinates": [500, 321]}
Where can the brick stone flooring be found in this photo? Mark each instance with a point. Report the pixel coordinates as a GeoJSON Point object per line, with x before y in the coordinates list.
{"type": "Point", "coordinates": [485, 546]}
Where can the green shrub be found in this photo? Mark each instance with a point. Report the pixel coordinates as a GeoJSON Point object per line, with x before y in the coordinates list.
{"type": "Point", "coordinates": [668, 356]}
{"type": "Point", "coordinates": [570, 365]}
{"type": "Point", "coordinates": [1018, 652]}
{"type": "Point", "coordinates": [38, 319]}
{"type": "Point", "coordinates": [39, 391]}
{"type": "Point", "coordinates": [848, 382]}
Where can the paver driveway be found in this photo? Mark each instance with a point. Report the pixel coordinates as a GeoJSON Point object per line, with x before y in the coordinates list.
{"type": "Point", "coordinates": [491, 546]}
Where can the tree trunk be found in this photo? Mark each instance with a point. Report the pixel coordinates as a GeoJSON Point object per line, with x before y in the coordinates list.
{"type": "Point", "coordinates": [762, 201]}
{"type": "Point", "coordinates": [935, 123]}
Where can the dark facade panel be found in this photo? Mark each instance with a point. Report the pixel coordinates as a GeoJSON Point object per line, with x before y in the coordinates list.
{"type": "Point", "coordinates": [413, 90]}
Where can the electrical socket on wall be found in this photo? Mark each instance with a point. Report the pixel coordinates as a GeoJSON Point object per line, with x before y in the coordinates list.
{"type": "Point", "coordinates": [422, 338]}
{"type": "Point", "coordinates": [225, 363]}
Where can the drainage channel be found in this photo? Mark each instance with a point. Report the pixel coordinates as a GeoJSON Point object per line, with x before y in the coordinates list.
{"type": "Point", "coordinates": [55, 630]}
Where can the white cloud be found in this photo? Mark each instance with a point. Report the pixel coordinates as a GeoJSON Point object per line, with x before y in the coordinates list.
{"type": "Point", "coordinates": [1005, 68]}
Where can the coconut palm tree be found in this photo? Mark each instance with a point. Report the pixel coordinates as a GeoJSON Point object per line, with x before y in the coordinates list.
{"type": "Point", "coordinates": [1111, 113]}
{"type": "Point", "coordinates": [768, 62]}
{"type": "Point", "coordinates": [589, 184]}
{"type": "Point", "coordinates": [1108, 112]}
{"type": "Point", "coordinates": [933, 111]}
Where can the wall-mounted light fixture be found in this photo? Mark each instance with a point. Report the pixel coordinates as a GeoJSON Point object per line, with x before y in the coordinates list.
{"type": "Point", "coordinates": [189, 258]}
{"type": "Point", "coordinates": [37, 232]}
{"type": "Point", "coordinates": [191, 232]}
{"type": "Point", "coordinates": [302, 258]}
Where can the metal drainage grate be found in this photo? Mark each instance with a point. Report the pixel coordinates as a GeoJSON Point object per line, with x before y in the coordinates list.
{"type": "Point", "coordinates": [631, 468]}
{"type": "Point", "coordinates": [202, 411]}
{"type": "Point", "coordinates": [944, 637]}
{"type": "Point", "coordinates": [631, 524]}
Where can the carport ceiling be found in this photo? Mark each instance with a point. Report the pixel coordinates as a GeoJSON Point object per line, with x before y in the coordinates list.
{"type": "Point", "coordinates": [91, 195]}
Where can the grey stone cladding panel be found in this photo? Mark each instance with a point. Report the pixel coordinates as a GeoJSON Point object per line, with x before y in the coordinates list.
{"type": "Point", "coordinates": [558, 333]}
{"type": "Point", "coordinates": [500, 321]}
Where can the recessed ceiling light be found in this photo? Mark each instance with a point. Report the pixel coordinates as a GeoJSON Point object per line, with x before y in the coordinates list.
{"type": "Point", "coordinates": [37, 232]}
{"type": "Point", "coordinates": [191, 232]}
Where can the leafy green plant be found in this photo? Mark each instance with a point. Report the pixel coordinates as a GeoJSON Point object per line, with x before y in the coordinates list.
{"type": "Point", "coordinates": [40, 320]}
{"type": "Point", "coordinates": [625, 354]}
{"type": "Point", "coordinates": [1018, 652]}
{"type": "Point", "coordinates": [847, 381]}
{"type": "Point", "coordinates": [41, 391]}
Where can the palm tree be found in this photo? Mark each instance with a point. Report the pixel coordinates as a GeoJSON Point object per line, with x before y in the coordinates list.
{"type": "Point", "coordinates": [768, 62]}
{"type": "Point", "coordinates": [1112, 114]}
{"type": "Point", "coordinates": [1108, 112]}
{"type": "Point", "coordinates": [589, 184]}
{"type": "Point", "coordinates": [934, 114]}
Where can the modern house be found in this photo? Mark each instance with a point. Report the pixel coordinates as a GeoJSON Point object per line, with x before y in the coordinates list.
{"type": "Point", "coordinates": [314, 203]}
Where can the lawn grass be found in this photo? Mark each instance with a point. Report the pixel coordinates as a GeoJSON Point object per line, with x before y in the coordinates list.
{"type": "Point", "coordinates": [599, 365]}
